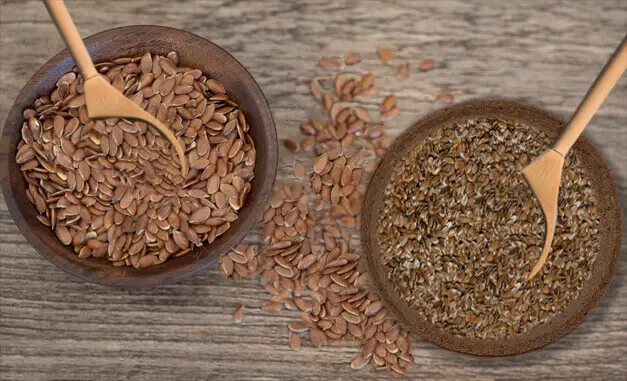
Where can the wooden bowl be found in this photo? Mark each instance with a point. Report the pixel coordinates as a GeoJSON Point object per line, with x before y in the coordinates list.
{"type": "Point", "coordinates": [593, 289]}
{"type": "Point", "coordinates": [194, 52]}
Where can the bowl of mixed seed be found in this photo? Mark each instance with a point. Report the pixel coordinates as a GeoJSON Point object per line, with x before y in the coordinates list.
{"type": "Point", "coordinates": [451, 230]}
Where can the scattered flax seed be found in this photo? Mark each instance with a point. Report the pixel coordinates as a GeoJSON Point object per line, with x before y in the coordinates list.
{"type": "Point", "coordinates": [238, 314]}
{"type": "Point", "coordinates": [402, 70]}
{"type": "Point", "coordinates": [294, 340]}
{"type": "Point", "coordinates": [226, 265]}
{"type": "Point", "coordinates": [330, 63]}
{"type": "Point", "coordinates": [367, 80]}
{"type": "Point", "coordinates": [385, 55]}
{"type": "Point", "coordinates": [239, 262]}
{"type": "Point", "coordinates": [327, 100]}
{"type": "Point", "coordinates": [426, 65]}
{"type": "Point", "coordinates": [460, 231]}
{"type": "Point", "coordinates": [271, 307]}
{"type": "Point", "coordinates": [309, 262]}
{"type": "Point", "coordinates": [315, 88]}
{"type": "Point", "coordinates": [298, 326]}
{"type": "Point", "coordinates": [363, 114]}
{"type": "Point", "coordinates": [299, 169]}
{"type": "Point", "coordinates": [445, 97]}
{"type": "Point", "coordinates": [388, 103]}
{"type": "Point", "coordinates": [321, 163]}
{"type": "Point", "coordinates": [352, 58]}
{"type": "Point", "coordinates": [360, 362]}
{"type": "Point", "coordinates": [291, 145]}
{"type": "Point", "coordinates": [394, 111]}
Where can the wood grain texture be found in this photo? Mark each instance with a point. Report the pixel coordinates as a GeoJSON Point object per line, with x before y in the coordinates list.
{"type": "Point", "coordinates": [53, 327]}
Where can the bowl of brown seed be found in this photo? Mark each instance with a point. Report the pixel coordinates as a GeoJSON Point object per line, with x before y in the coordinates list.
{"type": "Point", "coordinates": [105, 199]}
{"type": "Point", "coordinates": [451, 230]}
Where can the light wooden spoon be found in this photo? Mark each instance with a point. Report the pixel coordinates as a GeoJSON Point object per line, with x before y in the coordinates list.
{"type": "Point", "coordinates": [103, 100]}
{"type": "Point", "coordinates": [545, 172]}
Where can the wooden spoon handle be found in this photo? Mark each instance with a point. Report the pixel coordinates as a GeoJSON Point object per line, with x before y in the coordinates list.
{"type": "Point", "coordinates": [601, 87]}
{"type": "Point", "coordinates": [65, 25]}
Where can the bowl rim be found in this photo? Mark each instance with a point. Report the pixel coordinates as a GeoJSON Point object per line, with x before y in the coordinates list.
{"type": "Point", "coordinates": [560, 324]}
{"type": "Point", "coordinates": [148, 277]}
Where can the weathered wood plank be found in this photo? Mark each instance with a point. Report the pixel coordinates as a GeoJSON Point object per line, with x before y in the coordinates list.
{"type": "Point", "coordinates": [543, 52]}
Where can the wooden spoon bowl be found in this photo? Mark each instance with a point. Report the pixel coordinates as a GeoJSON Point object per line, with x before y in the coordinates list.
{"type": "Point", "coordinates": [194, 52]}
{"type": "Point", "coordinates": [609, 240]}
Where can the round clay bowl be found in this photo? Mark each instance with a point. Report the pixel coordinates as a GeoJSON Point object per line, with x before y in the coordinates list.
{"type": "Point", "coordinates": [594, 288]}
{"type": "Point", "coordinates": [194, 52]}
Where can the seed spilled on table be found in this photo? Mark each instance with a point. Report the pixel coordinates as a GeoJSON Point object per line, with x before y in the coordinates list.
{"type": "Point", "coordinates": [238, 314]}
{"type": "Point", "coordinates": [310, 262]}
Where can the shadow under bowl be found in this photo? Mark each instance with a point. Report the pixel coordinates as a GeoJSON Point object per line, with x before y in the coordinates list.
{"type": "Point", "coordinates": [609, 232]}
{"type": "Point", "coordinates": [194, 52]}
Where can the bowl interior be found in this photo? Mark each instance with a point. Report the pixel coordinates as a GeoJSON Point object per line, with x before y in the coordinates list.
{"type": "Point", "coordinates": [194, 52]}
{"type": "Point", "coordinates": [610, 229]}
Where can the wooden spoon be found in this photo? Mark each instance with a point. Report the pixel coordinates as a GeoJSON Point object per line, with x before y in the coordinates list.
{"type": "Point", "coordinates": [103, 100]}
{"type": "Point", "coordinates": [545, 172]}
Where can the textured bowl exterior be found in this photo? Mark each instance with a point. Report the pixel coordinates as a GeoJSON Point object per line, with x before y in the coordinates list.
{"type": "Point", "coordinates": [195, 52]}
{"type": "Point", "coordinates": [610, 230]}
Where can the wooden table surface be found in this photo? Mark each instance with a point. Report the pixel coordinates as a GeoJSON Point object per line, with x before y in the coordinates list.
{"type": "Point", "coordinates": [54, 327]}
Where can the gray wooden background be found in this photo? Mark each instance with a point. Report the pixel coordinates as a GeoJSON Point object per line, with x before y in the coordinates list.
{"type": "Point", "coordinates": [546, 52]}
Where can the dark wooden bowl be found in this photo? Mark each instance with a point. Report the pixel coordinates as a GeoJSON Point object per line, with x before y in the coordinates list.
{"type": "Point", "coordinates": [195, 52]}
{"type": "Point", "coordinates": [593, 289]}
